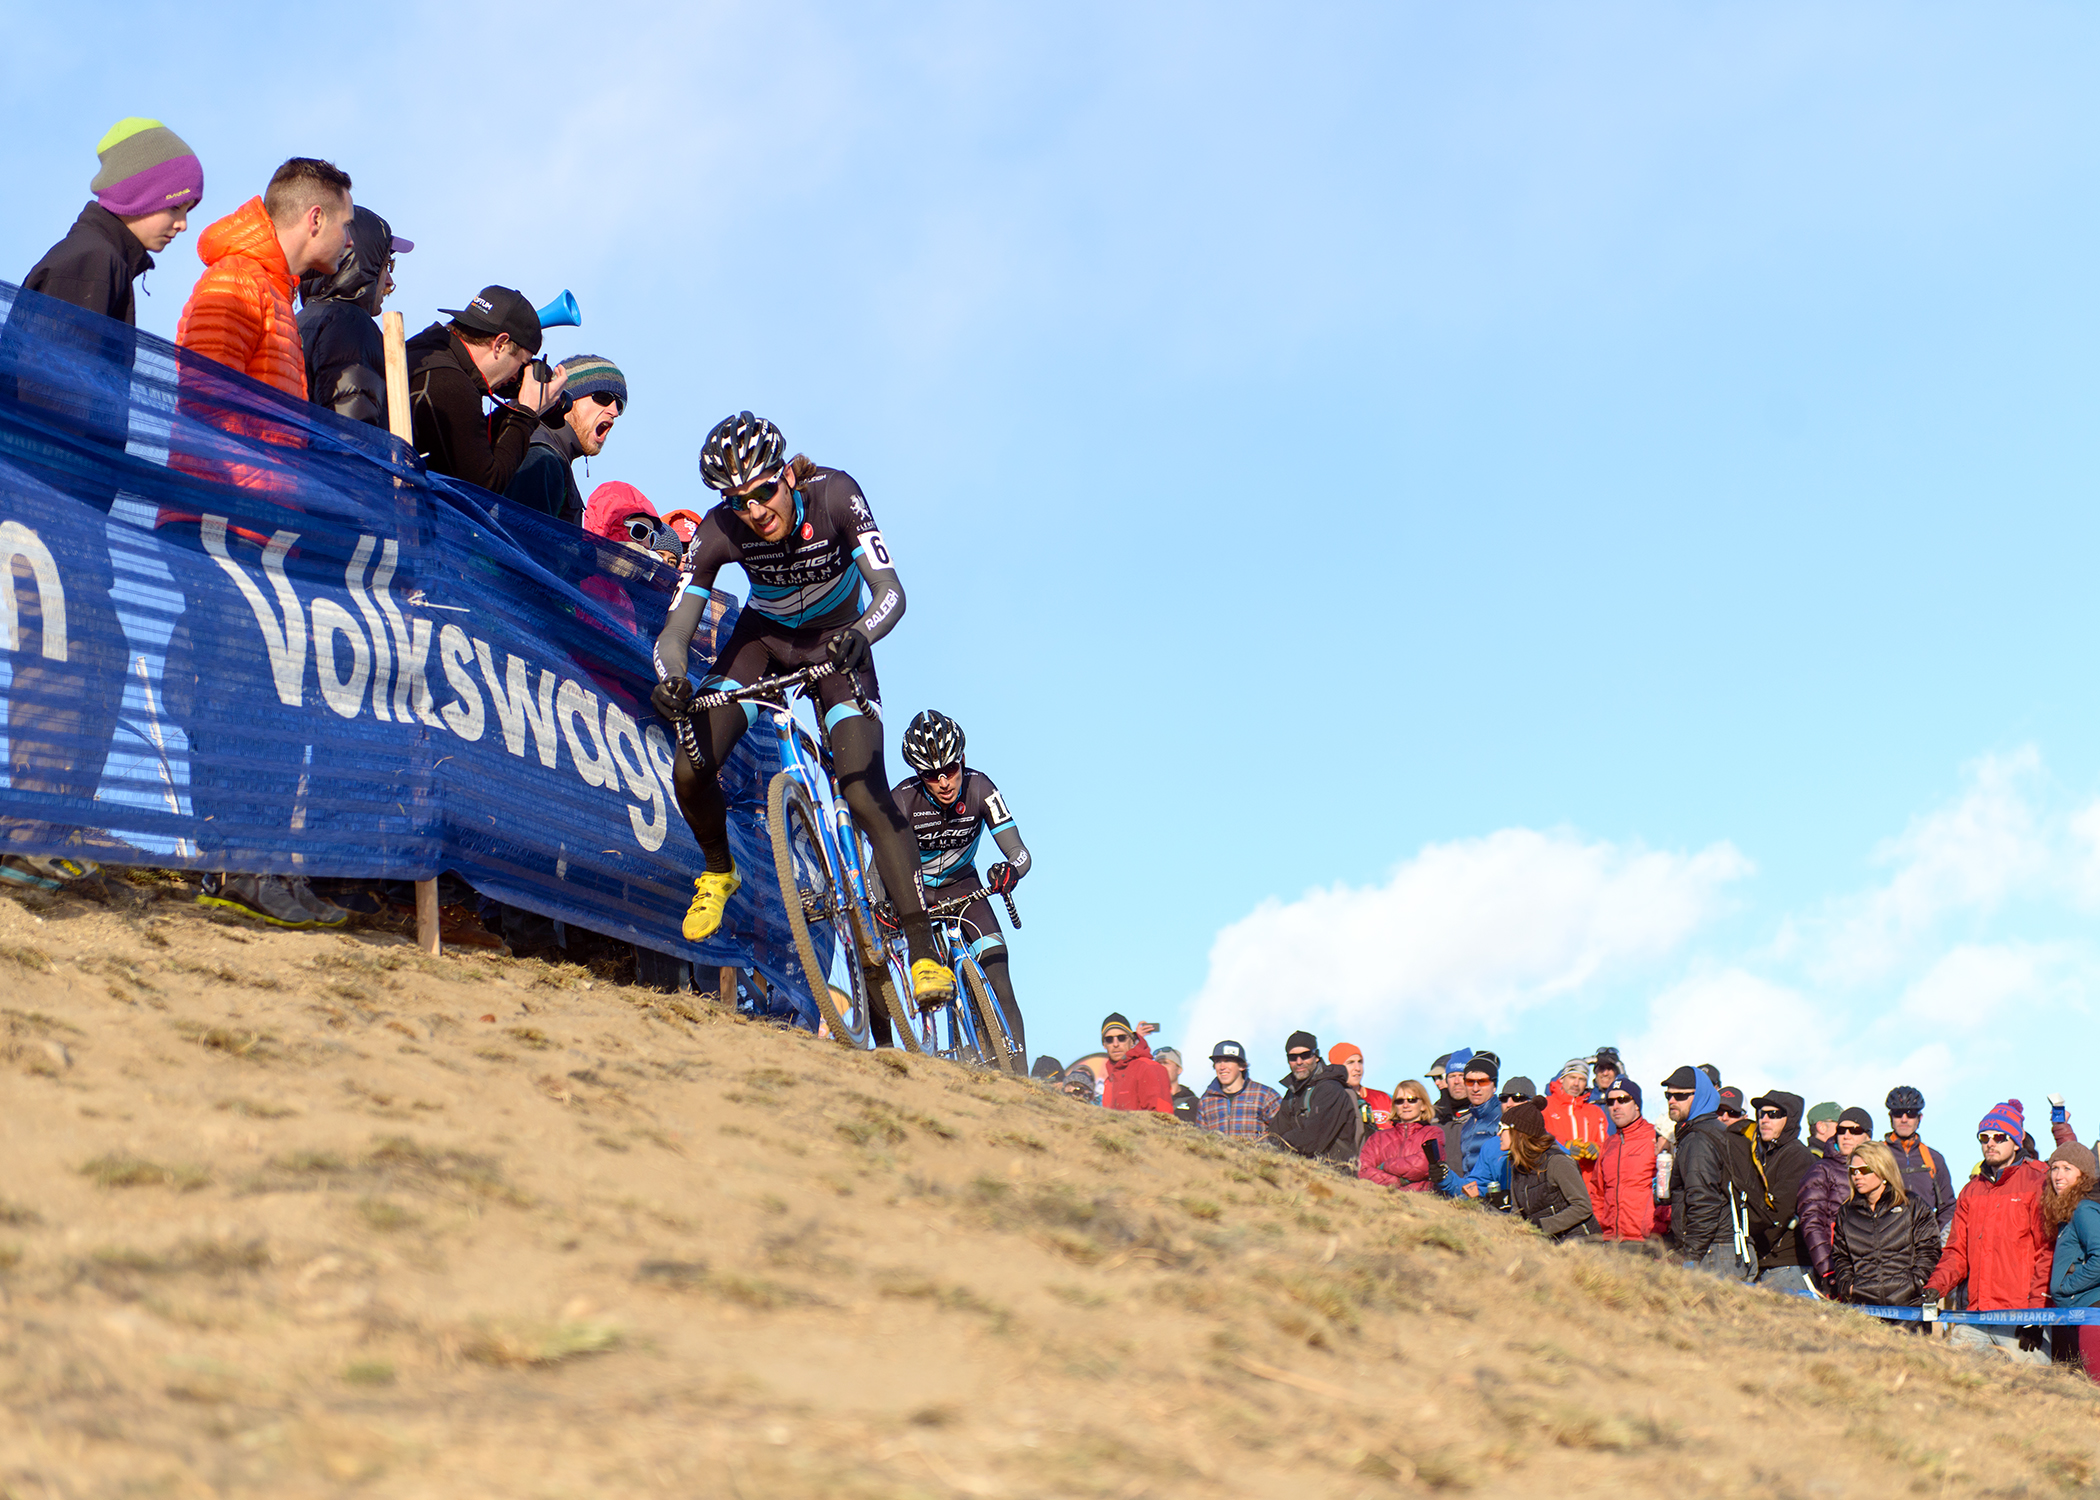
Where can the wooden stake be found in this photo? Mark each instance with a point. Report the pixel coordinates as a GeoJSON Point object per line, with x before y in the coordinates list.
{"type": "Point", "coordinates": [395, 335]}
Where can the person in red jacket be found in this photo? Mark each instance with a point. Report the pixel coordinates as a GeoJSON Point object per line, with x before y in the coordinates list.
{"type": "Point", "coordinates": [1624, 1193]}
{"type": "Point", "coordinates": [1572, 1120]}
{"type": "Point", "coordinates": [1998, 1243]}
{"type": "Point", "coordinates": [1135, 1080]}
{"type": "Point", "coordinates": [1397, 1156]}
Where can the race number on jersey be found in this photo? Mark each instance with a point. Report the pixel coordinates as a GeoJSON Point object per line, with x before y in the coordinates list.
{"type": "Point", "coordinates": [995, 811]}
{"type": "Point", "coordinates": [871, 543]}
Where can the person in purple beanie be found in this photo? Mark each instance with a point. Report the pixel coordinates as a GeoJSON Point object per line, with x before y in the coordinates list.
{"type": "Point", "coordinates": [149, 182]}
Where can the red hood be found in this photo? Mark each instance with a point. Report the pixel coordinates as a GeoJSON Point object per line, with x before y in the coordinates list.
{"type": "Point", "coordinates": [1139, 1047]}
{"type": "Point", "coordinates": [606, 512]}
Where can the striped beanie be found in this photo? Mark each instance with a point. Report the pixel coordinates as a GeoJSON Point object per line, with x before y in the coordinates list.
{"type": "Point", "coordinates": [595, 375]}
{"type": "Point", "coordinates": [146, 167]}
{"type": "Point", "coordinates": [2010, 1117]}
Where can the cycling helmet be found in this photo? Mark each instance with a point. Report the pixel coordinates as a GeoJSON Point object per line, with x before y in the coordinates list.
{"type": "Point", "coordinates": [740, 449]}
{"type": "Point", "coordinates": [1905, 1100]}
{"type": "Point", "coordinates": [932, 740]}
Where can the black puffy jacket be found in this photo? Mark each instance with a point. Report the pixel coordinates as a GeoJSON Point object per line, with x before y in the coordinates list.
{"type": "Point", "coordinates": [1699, 1187]}
{"type": "Point", "coordinates": [339, 325]}
{"type": "Point", "coordinates": [1318, 1116]}
{"type": "Point", "coordinates": [1883, 1255]}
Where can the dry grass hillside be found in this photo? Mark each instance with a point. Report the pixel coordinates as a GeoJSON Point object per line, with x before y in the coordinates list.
{"type": "Point", "coordinates": [288, 1215]}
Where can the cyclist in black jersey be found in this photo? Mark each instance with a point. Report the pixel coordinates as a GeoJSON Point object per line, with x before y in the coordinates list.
{"type": "Point", "coordinates": [809, 546]}
{"type": "Point", "coordinates": [950, 806]}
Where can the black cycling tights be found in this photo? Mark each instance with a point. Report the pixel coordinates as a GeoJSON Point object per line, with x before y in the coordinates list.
{"type": "Point", "coordinates": [993, 961]}
{"type": "Point", "coordinates": [856, 755]}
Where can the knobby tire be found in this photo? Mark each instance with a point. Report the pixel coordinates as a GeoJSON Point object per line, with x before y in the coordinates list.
{"type": "Point", "coordinates": [786, 803]}
{"type": "Point", "coordinates": [990, 1024]}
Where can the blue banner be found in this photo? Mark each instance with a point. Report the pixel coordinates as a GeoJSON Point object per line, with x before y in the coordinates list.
{"type": "Point", "coordinates": [242, 633]}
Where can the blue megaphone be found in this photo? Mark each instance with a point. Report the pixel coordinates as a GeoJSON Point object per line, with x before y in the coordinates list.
{"type": "Point", "coordinates": [562, 312]}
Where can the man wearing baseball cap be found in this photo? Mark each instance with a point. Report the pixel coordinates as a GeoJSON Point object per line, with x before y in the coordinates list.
{"type": "Point", "coordinates": [452, 367]}
{"type": "Point", "coordinates": [1235, 1104]}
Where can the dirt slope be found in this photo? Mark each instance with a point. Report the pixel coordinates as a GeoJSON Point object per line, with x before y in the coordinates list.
{"type": "Point", "coordinates": [287, 1215]}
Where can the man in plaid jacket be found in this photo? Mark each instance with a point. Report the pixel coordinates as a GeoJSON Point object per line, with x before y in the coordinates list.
{"type": "Point", "coordinates": [1234, 1104]}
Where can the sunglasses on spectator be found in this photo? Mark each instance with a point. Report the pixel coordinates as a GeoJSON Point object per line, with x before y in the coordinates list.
{"type": "Point", "coordinates": [1299, 1056]}
{"type": "Point", "coordinates": [1864, 1172]}
{"type": "Point", "coordinates": [1515, 1098]}
{"type": "Point", "coordinates": [753, 496]}
{"type": "Point", "coordinates": [1852, 1130]}
{"type": "Point", "coordinates": [1618, 1098]}
{"type": "Point", "coordinates": [1991, 1137]}
{"type": "Point", "coordinates": [650, 534]}
{"type": "Point", "coordinates": [1115, 1036]}
{"type": "Point", "coordinates": [1771, 1114]}
{"type": "Point", "coordinates": [1677, 1095]}
{"type": "Point", "coordinates": [607, 398]}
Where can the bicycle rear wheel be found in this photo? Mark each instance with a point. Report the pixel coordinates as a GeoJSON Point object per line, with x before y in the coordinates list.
{"type": "Point", "coordinates": [817, 914]}
{"type": "Point", "coordinates": [994, 1045]}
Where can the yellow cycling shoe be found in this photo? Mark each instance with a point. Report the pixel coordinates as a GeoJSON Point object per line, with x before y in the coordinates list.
{"type": "Point", "coordinates": [931, 983]}
{"type": "Point", "coordinates": [711, 893]}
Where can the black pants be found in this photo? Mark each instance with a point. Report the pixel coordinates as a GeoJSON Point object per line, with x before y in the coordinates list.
{"type": "Point", "coordinates": [981, 930]}
{"type": "Point", "coordinates": [758, 648]}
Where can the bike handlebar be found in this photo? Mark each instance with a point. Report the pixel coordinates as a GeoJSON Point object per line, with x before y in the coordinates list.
{"type": "Point", "coordinates": [954, 906]}
{"type": "Point", "coordinates": [802, 679]}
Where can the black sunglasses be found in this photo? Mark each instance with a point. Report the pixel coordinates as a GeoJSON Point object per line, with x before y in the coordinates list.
{"type": "Point", "coordinates": [1859, 1130]}
{"type": "Point", "coordinates": [953, 768]}
{"type": "Point", "coordinates": [1678, 1095]}
{"type": "Point", "coordinates": [1771, 1114]}
{"type": "Point", "coordinates": [607, 398]}
{"type": "Point", "coordinates": [1114, 1036]}
{"type": "Point", "coordinates": [751, 497]}
{"type": "Point", "coordinates": [1905, 1114]}
{"type": "Point", "coordinates": [1299, 1056]}
{"type": "Point", "coordinates": [1515, 1098]}
{"type": "Point", "coordinates": [1618, 1098]}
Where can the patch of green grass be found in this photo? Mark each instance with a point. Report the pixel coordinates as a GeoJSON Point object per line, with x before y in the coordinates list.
{"type": "Point", "coordinates": [1200, 1208]}
{"type": "Point", "coordinates": [257, 1109]}
{"type": "Point", "coordinates": [34, 959]}
{"type": "Point", "coordinates": [368, 1372]}
{"type": "Point", "coordinates": [121, 1170]}
{"type": "Point", "coordinates": [310, 1163]}
{"type": "Point", "coordinates": [1014, 1138]}
{"type": "Point", "coordinates": [386, 1217]}
{"type": "Point", "coordinates": [479, 1175]}
{"type": "Point", "coordinates": [537, 1347]}
{"type": "Point", "coordinates": [531, 1036]}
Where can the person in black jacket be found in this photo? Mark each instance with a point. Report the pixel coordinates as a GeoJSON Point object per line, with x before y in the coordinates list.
{"type": "Point", "coordinates": [452, 367]}
{"type": "Point", "coordinates": [1545, 1185]}
{"type": "Point", "coordinates": [1782, 1161]}
{"type": "Point", "coordinates": [1699, 1218]}
{"type": "Point", "coordinates": [1887, 1244]}
{"type": "Point", "coordinates": [149, 182]}
{"type": "Point", "coordinates": [594, 394]}
{"type": "Point", "coordinates": [339, 322]}
{"type": "Point", "coordinates": [1184, 1096]}
{"type": "Point", "coordinates": [1318, 1115]}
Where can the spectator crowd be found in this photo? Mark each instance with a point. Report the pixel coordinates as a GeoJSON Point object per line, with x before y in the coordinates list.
{"type": "Point", "coordinates": [1763, 1190]}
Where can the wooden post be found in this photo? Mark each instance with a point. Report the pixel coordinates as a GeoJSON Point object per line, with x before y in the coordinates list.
{"type": "Point", "coordinates": [395, 335]}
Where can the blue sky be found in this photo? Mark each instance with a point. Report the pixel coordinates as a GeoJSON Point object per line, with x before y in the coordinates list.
{"type": "Point", "coordinates": [1623, 466]}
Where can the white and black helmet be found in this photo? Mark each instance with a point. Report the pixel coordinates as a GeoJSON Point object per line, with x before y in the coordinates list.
{"type": "Point", "coordinates": [932, 740]}
{"type": "Point", "coordinates": [740, 449]}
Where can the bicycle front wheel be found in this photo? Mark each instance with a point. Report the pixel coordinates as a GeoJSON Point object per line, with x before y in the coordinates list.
{"type": "Point", "coordinates": [994, 1045]}
{"type": "Point", "coordinates": [817, 916]}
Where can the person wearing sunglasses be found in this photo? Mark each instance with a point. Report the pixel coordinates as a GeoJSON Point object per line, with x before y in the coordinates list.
{"type": "Point", "coordinates": [1699, 1203]}
{"type": "Point", "coordinates": [949, 806]}
{"type": "Point", "coordinates": [1780, 1162]}
{"type": "Point", "coordinates": [1477, 1166]}
{"type": "Point", "coordinates": [1999, 1243]}
{"type": "Point", "coordinates": [1625, 1176]}
{"type": "Point", "coordinates": [577, 425]}
{"type": "Point", "coordinates": [1317, 1116]}
{"type": "Point", "coordinates": [809, 545]}
{"type": "Point", "coordinates": [1135, 1078]}
{"type": "Point", "coordinates": [1926, 1179]}
{"type": "Point", "coordinates": [1886, 1242]}
{"type": "Point", "coordinates": [1824, 1188]}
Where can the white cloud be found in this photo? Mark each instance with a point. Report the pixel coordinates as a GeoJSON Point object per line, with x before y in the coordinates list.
{"type": "Point", "coordinates": [1969, 857]}
{"type": "Point", "coordinates": [1484, 929]}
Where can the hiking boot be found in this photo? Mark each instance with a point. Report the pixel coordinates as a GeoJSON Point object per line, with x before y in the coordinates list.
{"type": "Point", "coordinates": [459, 927]}
{"type": "Point", "coordinates": [324, 913]}
{"type": "Point", "coordinates": [266, 898]}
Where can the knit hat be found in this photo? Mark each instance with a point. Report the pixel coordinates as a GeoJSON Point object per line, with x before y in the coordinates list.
{"type": "Point", "coordinates": [1485, 1062]}
{"type": "Point", "coordinates": [1627, 1086]}
{"type": "Point", "coordinates": [1341, 1052]}
{"type": "Point", "coordinates": [1117, 1018]}
{"type": "Point", "coordinates": [1520, 1087]}
{"type": "Point", "coordinates": [1301, 1039]}
{"type": "Point", "coordinates": [146, 167]}
{"type": "Point", "coordinates": [1525, 1119]}
{"type": "Point", "coordinates": [2078, 1157]}
{"type": "Point", "coordinates": [1865, 1121]}
{"type": "Point", "coordinates": [1577, 1066]}
{"type": "Point", "coordinates": [1827, 1110]}
{"type": "Point", "coordinates": [595, 375]}
{"type": "Point", "coordinates": [2010, 1117]}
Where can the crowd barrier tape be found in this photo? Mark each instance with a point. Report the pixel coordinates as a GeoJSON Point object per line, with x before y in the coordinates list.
{"type": "Point", "coordinates": [238, 632]}
{"type": "Point", "coordinates": [2017, 1317]}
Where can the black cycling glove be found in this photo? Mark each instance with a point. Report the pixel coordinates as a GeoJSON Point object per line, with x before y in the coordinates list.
{"type": "Point", "coordinates": [1001, 878]}
{"type": "Point", "coordinates": [848, 650]}
{"type": "Point", "coordinates": [673, 698]}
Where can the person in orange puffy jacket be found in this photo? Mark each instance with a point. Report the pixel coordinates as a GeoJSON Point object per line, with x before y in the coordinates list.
{"type": "Point", "coordinates": [240, 311]}
{"type": "Point", "coordinates": [1573, 1121]}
